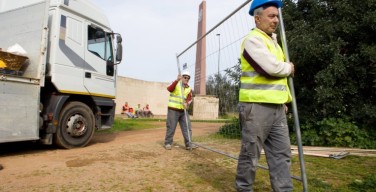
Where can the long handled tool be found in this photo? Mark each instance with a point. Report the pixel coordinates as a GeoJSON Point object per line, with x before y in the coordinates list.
{"type": "Point", "coordinates": [185, 110]}
{"type": "Point", "coordinates": [339, 155]}
{"type": "Point", "coordinates": [294, 105]}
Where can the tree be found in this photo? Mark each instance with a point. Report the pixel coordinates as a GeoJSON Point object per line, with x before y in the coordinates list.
{"type": "Point", "coordinates": [226, 88]}
{"type": "Point", "coordinates": [333, 44]}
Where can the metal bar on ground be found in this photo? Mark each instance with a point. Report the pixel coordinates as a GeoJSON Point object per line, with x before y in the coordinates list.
{"type": "Point", "coordinates": [233, 157]}
{"type": "Point", "coordinates": [294, 105]}
{"type": "Point", "coordinates": [335, 149]}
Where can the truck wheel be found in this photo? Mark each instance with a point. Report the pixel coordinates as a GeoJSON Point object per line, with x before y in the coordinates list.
{"type": "Point", "coordinates": [76, 126]}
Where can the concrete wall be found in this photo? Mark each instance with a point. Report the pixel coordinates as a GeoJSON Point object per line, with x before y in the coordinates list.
{"type": "Point", "coordinates": [205, 107]}
{"type": "Point", "coordinates": [155, 94]}
{"type": "Point", "coordinates": [136, 91]}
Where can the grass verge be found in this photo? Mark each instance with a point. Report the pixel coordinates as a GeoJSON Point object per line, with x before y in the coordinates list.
{"type": "Point", "coordinates": [350, 174]}
{"type": "Point", "coordinates": [121, 124]}
{"type": "Point", "coordinates": [217, 172]}
{"type": "Point", "coordinates": [127, 124]}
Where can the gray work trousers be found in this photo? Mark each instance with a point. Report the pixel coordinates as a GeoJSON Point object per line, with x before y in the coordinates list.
{"type": "Point", "coordinates": [173, 117]}
{"type": "Point", "coordinates": [264, 126]}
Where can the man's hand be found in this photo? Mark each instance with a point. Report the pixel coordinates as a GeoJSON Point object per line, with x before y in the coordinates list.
{"type": "Point", "coordinates": [292, 69]}
{"type": "Point", "coordinates": [286, 108]}
{"type": "Point", "coordinates": [185, 105]}
{"type": "Point", "coordinates": [179, 78]}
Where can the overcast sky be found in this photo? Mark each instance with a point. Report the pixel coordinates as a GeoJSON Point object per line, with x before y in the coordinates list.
{"type": "Point", "coordinates": [154, 31]}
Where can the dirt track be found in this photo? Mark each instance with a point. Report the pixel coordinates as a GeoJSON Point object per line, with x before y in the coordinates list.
{"type": "Point", "coordinates": [125, 161]}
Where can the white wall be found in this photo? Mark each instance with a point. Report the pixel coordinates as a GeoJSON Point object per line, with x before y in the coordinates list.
{"type": "Point", "coordinates": [136, 91]}
{"type": "Point", "coordinates": [205, 107]}
{"type": "Point", "coordinates": [155, 94]}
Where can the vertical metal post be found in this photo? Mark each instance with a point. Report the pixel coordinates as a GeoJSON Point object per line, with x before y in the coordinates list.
{"type": "Point", "coordinates": [219, 50]}
{"type": "Point", "coordinates": [219, 59]}
{"type": "Point", "coordinates": [294, 105]}
{"type": "Point", "coordinates": [182, 94]}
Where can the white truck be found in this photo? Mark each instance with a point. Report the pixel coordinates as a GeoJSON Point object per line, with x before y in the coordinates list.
{"type": "Point", "coordinates": [63, 88]}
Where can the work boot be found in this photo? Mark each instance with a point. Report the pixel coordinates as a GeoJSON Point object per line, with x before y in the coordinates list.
{"type": "Point", "coordinates": [168, 146]}
{"type": "Point", "coordinates": [191, 147]}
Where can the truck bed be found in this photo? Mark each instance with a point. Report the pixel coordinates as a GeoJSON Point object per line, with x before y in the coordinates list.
{"type": "Point", "coordinates": [27, 27]}
{"type": "Point", "coordinates": [20, 93]}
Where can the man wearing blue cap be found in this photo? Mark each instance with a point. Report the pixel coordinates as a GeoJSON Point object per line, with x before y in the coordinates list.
{"type": "Point", "coordinates": [263, 93]}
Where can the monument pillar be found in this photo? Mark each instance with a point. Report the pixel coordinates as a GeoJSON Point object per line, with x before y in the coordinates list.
{"type": "Point", "coordinates": [200, 69]}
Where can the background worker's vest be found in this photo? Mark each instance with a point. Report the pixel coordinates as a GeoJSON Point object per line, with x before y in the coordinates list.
{"type": "Point", "coordinates": [176, 100]}
{"type": "Point", "coordinates": [260, 89]}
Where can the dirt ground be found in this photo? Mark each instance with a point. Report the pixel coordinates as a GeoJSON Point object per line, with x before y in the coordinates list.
{"type": "Point", "coordinates": [125, 161]}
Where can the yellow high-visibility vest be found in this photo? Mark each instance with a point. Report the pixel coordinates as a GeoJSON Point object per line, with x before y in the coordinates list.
{"type": "Point", "coordinates": [176, 100]}
{"type": "Point", "coordinates": [260, 89]}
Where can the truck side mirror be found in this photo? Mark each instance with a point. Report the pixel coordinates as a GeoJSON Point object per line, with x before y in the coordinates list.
{"type": "Point", "coordinates": [119, 51]}
{"type": "Point", "coordinates": [119, 39]}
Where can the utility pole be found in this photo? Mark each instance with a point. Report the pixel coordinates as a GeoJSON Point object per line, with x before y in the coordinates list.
{"type": "Point", "coordinates": [219, 50]}
{"type": "Point", "coordinates": [219, 58]}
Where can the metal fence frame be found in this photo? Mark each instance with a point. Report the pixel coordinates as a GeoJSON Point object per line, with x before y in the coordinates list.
{"type": "Point", "coordinates": [303, 177]}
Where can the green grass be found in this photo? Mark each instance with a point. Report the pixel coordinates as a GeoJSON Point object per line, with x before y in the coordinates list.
{"type": "Point", "coordinates": [325, 174]}
{"type": "Point", "coordinates": [127, 124]}
{"type": "Point", "coordinates": [121, 124]}
{"type": "Point", "coordinates": [350, 174]}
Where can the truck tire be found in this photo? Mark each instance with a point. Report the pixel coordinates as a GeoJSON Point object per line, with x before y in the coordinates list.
{"type": "Point", "coordinates": [76, 126]}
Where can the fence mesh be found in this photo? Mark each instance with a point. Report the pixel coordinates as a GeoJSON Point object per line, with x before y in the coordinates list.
{"type": "Point", "coordinates": [222, 62]}
{"type": "Point", "coordinates": [222, 76]}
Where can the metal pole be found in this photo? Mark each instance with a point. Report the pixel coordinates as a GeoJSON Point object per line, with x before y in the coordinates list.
{"type": "Point", "coordinates": [185, 110]}
{"type": "Point", "coordinates": [219, 50]}
{"type": "Point", "coordinates": [294, 106]}
{"type": "Point", "coordinates": [219, 58]}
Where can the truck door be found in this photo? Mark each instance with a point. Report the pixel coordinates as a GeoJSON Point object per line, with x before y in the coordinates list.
{"type": "Point", "coordinates": [99, 80]}
{"type": "Point", "coordinates": [67, 56]}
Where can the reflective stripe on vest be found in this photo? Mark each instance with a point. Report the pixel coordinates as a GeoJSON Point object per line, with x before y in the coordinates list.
{"type": "Point", "coordinates": [176, 100]}
{"type": "Point", "coordinates": [257, 88]}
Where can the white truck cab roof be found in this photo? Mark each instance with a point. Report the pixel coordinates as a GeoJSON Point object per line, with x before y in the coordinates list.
{"type": "Point", "coordinates": [83, 7]}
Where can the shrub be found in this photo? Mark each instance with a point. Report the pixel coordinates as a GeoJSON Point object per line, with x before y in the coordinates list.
{"type": "Point", "coordinates": [231, 129]}
{"type": "Point", "coordinates": [338, 132]}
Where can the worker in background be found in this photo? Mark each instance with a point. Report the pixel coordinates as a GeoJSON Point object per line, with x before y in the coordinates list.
{"type": "Point", "coordinates": [139, 112]}
{"type": "Point", "coordinates": [128, 111]}
{"type": "Point", "coordinates": [263, 93]}
{"type": "Point", "coordinates": [175, 112]}
{"type": "Point", "coordinates": [147, 111]}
